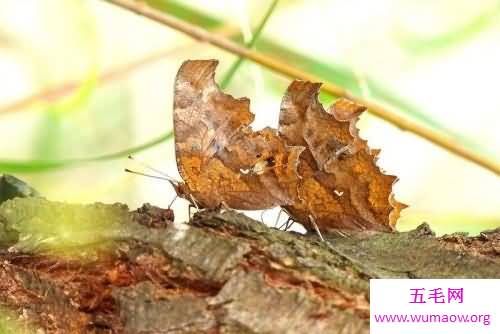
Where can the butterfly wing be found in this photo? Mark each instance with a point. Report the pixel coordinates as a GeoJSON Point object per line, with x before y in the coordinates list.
{"type": "Point", "coordinates": [219, 157]}
{"type": "Point", "coordinates": [341, 185]}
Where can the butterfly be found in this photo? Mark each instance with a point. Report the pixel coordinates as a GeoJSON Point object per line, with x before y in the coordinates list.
{"type": "Point", "coordinates": [222, 161]}
{"type": "Point", "coordinates": [315, 166]}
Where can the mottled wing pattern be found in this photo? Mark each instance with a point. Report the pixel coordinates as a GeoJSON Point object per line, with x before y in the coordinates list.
{"type": "Point", "coordinates": [341, 186]}
{"type": "Point", "coordinates": [219, 157]}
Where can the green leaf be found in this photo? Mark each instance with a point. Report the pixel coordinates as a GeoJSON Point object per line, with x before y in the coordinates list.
{"type": "Point", "coordinates": [33, 166]}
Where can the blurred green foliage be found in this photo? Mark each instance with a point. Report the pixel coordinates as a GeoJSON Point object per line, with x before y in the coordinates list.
{"type": "Point", "coordinates": [46, 226]}
{"type": "Point", "coordinates": [457, 35]}
{"type": "Point", "coordinates": [52, 152]}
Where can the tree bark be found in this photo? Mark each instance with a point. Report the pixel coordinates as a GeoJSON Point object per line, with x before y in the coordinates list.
{"type": "Point", "coordinates": [69, 268]}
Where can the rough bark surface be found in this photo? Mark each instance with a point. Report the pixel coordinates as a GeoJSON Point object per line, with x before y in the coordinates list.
{"type": "Point", "coordinates": [116, 271]}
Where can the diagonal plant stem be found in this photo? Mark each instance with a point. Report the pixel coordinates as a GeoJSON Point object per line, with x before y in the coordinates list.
{"type": "Point", "coordinates": [232, 70]}
{"type": "Point", "coordinates": [281, 67]}
{"type": "Point", "coordinates": [336, 73]}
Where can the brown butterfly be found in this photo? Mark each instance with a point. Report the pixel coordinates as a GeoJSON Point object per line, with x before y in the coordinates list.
{"type": "Point", "coordinates": [317, 167]}
{"type": "Point", "coordinates": [220, 158]}
{"type": "Point", "coordinates": [341, 186]}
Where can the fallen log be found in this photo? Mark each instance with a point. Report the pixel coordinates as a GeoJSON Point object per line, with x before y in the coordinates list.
{"type": "Point", "coordinates": [98, 268]}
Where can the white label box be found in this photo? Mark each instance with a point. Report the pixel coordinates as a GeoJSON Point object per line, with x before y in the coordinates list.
{"type": "Point", "coordinates": [434, 306]}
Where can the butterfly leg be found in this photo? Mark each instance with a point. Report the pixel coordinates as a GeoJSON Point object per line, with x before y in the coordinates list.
{"type": "Point", "coordinates": [278, 218]}
{"type": "Point", "coordinates": [193, 202]}
{"type": "Point", "coordinates": [193, 210]}
{"type": "Point", "coordinates": [318, 232]}
{"type": "Point", "coordinates": [190, 207]}
{"type": "Point", "coordinates": [289, 224]}
{"type": "Point", "coordinates": [172, 202]}
{"type": "Point", "coordinates": [224, 206]}
{"type": "Point", "coordinates": [262, 217]}
{"type": "Point", "coordinates": [286, 224]}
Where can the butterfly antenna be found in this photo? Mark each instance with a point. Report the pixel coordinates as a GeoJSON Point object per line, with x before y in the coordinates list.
{"type": "Point", "coordinates": [147, 166]}
{"type": "Point", "coordinates": [194, 202]}
{"type": "Point", "coordinates": [172, 182]}
{"type": "Point", "coordinates": [289, 224]}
